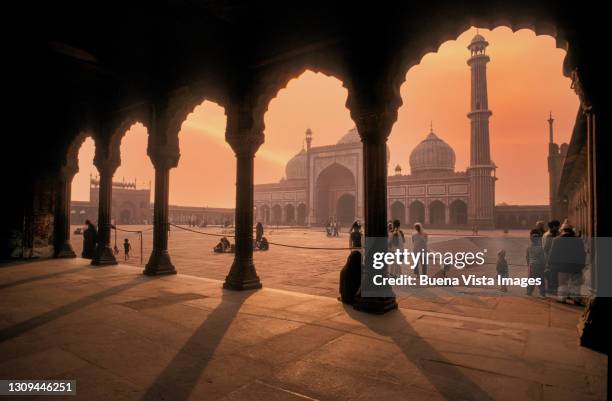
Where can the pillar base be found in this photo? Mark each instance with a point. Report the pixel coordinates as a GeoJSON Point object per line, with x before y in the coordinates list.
{"type": "Point", "coordinates": [242, 277]}
{"type": "Point", "coordinates": [377, 306]}
{"type": "Point", "coordinates": [104, 256]}
{"type": "Point", "coordinates": [159, 263]}
{"type": "Point", "coordinates": [65, 251]}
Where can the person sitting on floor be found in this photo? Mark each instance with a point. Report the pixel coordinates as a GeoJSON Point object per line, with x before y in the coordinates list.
{"type": "Point", "coordinates": [350, 278]}
{"type": "Point", "coordinates": [223, 246]}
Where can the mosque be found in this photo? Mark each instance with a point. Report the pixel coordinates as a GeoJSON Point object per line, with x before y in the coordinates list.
{"type": "Point", "coordinates": [326, 182]}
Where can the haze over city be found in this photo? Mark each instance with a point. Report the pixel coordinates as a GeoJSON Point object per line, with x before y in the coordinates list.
{"type": "Point", "coordinates": [525, 84]}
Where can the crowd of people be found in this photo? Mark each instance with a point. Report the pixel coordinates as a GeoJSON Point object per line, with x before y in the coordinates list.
{"type": "Point", "coordinates": [556, 255]}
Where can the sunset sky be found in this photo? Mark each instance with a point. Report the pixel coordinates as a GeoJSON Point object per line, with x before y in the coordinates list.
{"type": "Point", "coordinates": [525, 83]}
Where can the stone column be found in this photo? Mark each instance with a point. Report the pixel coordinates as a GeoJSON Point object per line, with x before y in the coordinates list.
{"type": "Point", "coordinates": [374, 128]}
{"type": "Point", "coordinates": [61, 234]}
{"type": "Point", "coordinates": [244, 142]}
{"type": "Point", "coordinates": [106, 167]}
{"type": "Point", "coordinates": [163, 160]}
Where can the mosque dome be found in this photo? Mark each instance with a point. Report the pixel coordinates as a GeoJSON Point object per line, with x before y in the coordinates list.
{"type": "Point", "coordinates": [296, 166]}
{"type": "Point", "coordinates": [432, 154]}
{"type": "Point", "coordinates": [352, 136]}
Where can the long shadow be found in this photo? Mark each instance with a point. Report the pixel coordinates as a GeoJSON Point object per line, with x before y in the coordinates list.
{"type": "Point", "coordinates": [37, 321]}
{"type": "Point", "coordinates": [449, 382]}
{"type": "Point", "coordinates": [42, 277]}
{"type": "Point", "coordinates": [181, 375]}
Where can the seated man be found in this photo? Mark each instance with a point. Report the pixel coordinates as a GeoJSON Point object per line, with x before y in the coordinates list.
{"type": "Point", "coordinates": [350, 278]}
{"type": "Point", "coordinates": [263, 244]}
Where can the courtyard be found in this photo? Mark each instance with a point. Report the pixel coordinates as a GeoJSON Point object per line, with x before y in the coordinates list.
{"type": "Point", "coordinates": [125, 336]}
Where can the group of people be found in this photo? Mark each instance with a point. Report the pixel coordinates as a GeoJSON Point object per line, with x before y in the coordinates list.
{"type": "Point", "coordinates": [260, 243]}
{"type": "Point", "coordinates": [90, 242]}
{"type": "Point", "coordinates": [397, 240]}
{"type": "Point", "coordinates": [332, 228]}
{"type": "Point", "coordinates": [556, 255]}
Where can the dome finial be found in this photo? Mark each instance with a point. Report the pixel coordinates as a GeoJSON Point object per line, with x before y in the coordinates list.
{"type": "Point", "coordinates": [431, 126]}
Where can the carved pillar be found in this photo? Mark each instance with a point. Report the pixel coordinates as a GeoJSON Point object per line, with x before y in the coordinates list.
{"type": "Point", "coordinates": [163, 159]}
{"type": "Point", "coordinates": [245, 139]}
{"type": "Point", "coordinates": [61, 234]}
{"type": "Point", "coordinates": [374, 127]}
{"type": "Point", "coordinates": [106, 168]}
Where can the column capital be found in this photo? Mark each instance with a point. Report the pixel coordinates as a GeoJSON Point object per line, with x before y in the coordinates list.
{"type": "Point", "coordinates": [164, 156]}
{"type": "Point", "coordinates": [374, 126]}
{"type": "Point", "coordinates": [244, 130]}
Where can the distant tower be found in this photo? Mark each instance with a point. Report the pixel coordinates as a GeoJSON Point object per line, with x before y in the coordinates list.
{"type": "Point", "coordinates": [481, 170]}
{"type": "Point", "coordinates": [556, 158]}
{"type": "Point", "coordinates": [308, 139]}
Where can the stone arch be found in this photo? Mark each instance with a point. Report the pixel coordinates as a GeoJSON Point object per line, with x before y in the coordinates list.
{"type": "Point", "coordinates": [264, 214]}
{"type": "Point", "coordinates": [302, 214]}
{"type": "Point", "coordinates": [277, 214]}
{"type": "Point", "coordinates": [458, 212]}
{"type": "Point", "coordinates": [417, 212]}
{"type": "Point", "coordinates": [398, 212]}
{"type": "Point", "coordinates": [437, 212]}
{"type": "Point", "coordinates": [331, 183]}
{"type": "Point", "coordinates": [289, 214]}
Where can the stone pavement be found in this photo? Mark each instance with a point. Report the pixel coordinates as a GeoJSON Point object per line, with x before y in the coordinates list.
{"type": "Point", "coordinates": [125, 336]}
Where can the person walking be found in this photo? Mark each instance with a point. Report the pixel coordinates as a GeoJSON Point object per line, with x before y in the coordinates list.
{"type": "Point", "coordinates": [502, 268]}
{"type": "Point", "coordinates": [419, 245]}
{"type": "Point", "coordinates": [396, 242]}
{"type": "Point", "coordinates": [127, 247]}
{"type": "Point", "coordinates": [536, 262]}
{"type": "Point", "coordinates": [355, 235]}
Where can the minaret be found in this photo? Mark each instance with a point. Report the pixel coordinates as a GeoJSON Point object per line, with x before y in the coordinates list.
{"type": "Point", "coordinates": [481, 170]}
{"type": "Point", "coordinates": [556, 158]}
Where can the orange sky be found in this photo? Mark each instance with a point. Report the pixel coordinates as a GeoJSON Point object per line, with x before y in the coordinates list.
{"type": "Point", "coordinates": [525, 83]}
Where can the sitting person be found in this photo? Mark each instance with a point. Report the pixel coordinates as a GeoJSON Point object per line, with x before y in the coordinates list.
{"type": "Point", "coordinates": [263, 244]}
{"type": "Point", "coordinates": [223, 246]}
{"type": "Point", "coordinates": [350, 278]}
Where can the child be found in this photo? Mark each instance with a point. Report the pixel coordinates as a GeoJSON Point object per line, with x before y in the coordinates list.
{"type": "Point", "coordinates": [126, 248]}
{"type": "Point", "coordinates": [502, 268]}
{"type": "Point", "coordinates": [536, 260]}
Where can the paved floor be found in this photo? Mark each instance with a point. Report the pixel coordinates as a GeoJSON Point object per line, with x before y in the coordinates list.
{"type": "Point", "coordinates": [124, 336]}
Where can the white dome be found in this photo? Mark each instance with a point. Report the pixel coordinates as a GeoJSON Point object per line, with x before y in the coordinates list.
{"type": "Point", "coordinates": [432, 154]}
{"type": "Point", "coordinates": [352, 136]}
{"type": "Point", "coordinates": [296, 167]}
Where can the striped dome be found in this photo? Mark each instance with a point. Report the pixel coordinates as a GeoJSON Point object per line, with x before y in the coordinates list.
{"type": "Point", "coordinates": [432, 154]}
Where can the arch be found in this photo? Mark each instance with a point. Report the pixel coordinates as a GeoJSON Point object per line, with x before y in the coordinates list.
{"type": "Point", "coordinates": [277, 214]}
{"type": "Point", "coordinates": [458, 212]}
{"type": "Point", "coordinates": [126, 213]}
{"type": "Point", "coordinates": [345, 209]}
{"type": "Point", "coordinates": [437, 211]}
{"type": "Point", "coordinates": [301, 214]}
{"type": "Point", "coordinates": [398, 212]}
{"type": "Point", "coordinates": [417, 212]}
{"type": "Point", "coordinates": [289, 214]}
{"type": "Point", "coordinates": [332, 183]}
{"type": "Point", "coordinates": [264, 214]}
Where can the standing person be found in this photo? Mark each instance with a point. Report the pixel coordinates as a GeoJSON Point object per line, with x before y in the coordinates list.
{"type": "Point", "coordinates": [127, 247]}
{"type": "Point", "coordinates": [547, 241]}
{"type": "Point", "coordinates": [419, 244]}
{"type": "Point", "coordinates": [541, 227]}
{"type": "Point", "coordinates": [502, 268]}
{"type": "Point", "coordinates": [90, 239]}
{"type": "Point", "coordinates": [567, 259]}
{"type": "Point", "coordinates": [259, 232]}
{"type": "Point", "coordinates": [355, 235]}
{"type": "Point", "coordinates": [396, 242]}
{"type": "Point", "coordinates": [536, 261]}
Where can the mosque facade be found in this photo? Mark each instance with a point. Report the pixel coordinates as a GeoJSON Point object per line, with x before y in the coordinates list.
{"type": "Point", "coordinates": [326, 182]}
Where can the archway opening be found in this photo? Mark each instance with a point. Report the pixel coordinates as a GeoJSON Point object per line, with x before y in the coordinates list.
{"type": "Point", "coordinates": [301, 214]}
{"type": "Point", "coordinates": [458, 213]}
{"type": "Point", "coordinates": [289, 214]}
{"type": "Point", "coordinates": [333, 183]}
{"type": "Point", "coordinates": [398, 212]}
{"type": "Point", "coordinates": [277, 214]}
{"type": "Point", "coordinates": [437, 211]}
{"type": "Point", "coordinates": [417, 212]}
